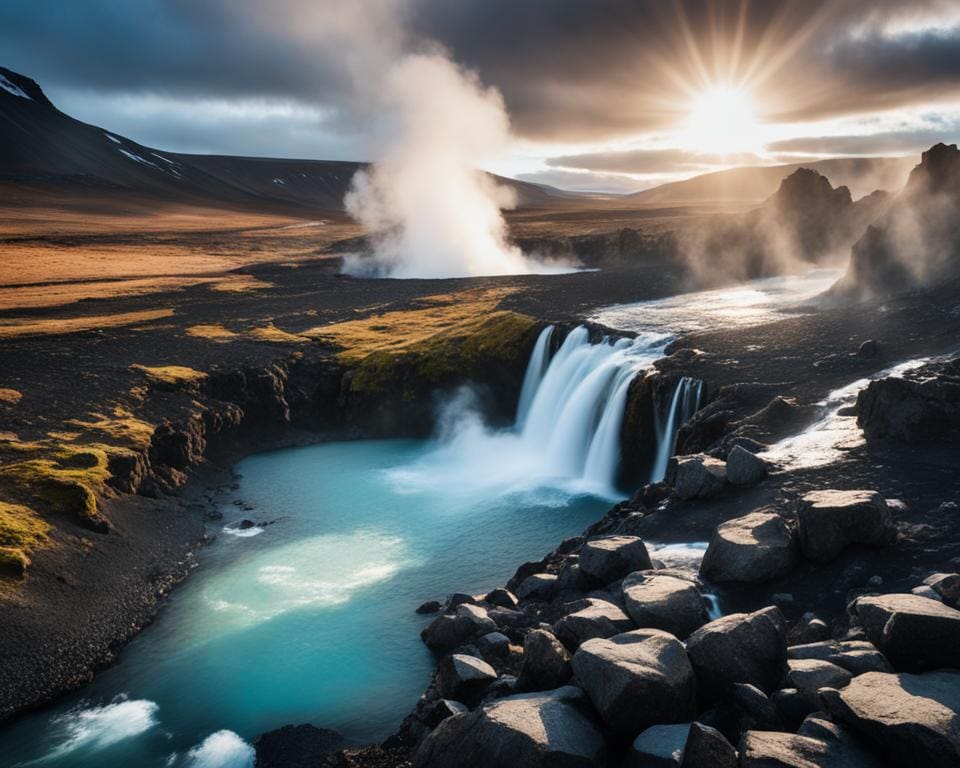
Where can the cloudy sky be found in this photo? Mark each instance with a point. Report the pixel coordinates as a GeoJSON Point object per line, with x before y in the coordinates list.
{"type": "Point", "coordinates": [602, 94]}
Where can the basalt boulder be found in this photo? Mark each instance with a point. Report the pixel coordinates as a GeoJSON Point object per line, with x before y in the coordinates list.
{"type": "Point", "coordinates": [810, 675]}
{"type": "Point", "coordinates": [744, 467]}
{"type": "Point", "coordinates": [637, 679]}
{"type": "Point", "coordinates": [915, 633]}
{"type": "Point", "coordinates": [553, 729]}
{"type": "Point", "coordinates": [697, 476]}
{"type": "Point", "coordinates": [912, 719]}
{"type": "Point", "coordinates": [855, 656]}
{"type": "Point", "coordinates": [828, 521]}
{"type": "Point", "coordinates": [754, 548]}
{"type": "Point", "coordinates": [446, 632]}
{"type": "Point", "coordinates": [739, 648]}
{"type": "Point", "coordinates": [659, 746]}
{"type": "Point", "coordinates": [666, 602]}
{"type": "Point", "coordinates": [823, 746]}
{"type": "Point", "coordinates": [464, 678]}
{"type": "Point", "coordinates": [706, 747]}
{"type": "Point", "coordinates": [546, 663]}
{"type": "Point", "coordinates": [607, 558]}
{"type": "Point", "coordinates": [590, 618]}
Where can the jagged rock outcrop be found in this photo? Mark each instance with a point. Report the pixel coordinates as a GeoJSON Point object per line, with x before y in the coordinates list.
{"type": "Point", "coordinates": [922, 405]}
{"type": "Point", "coordinates": [805, 220]}
{"type": "Point", "coordinates": [916, 243]}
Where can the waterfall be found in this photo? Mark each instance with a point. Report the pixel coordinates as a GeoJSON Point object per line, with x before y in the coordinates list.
{"type": "Point", "coordinates": [569, 418]}
{"type": "Point", "coordinates": [683, 404]}
{"type": "Point", "coordinates": [534, 375]}
{"type": "Point", "coordinates": [572, 416]}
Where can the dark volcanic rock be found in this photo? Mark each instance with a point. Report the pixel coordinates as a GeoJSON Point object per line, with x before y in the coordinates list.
{"type": "Point", "coordinates": [637, 679]}
{"type": "Point", "coordinates": [546, 663]}
{"type": "Point", "coordinates": [753, 548]}
{"type": "Point", "coordinates": [744, 468]}
{"type": "Point", "coordinates": [554, 729]}
{"type": "Point", "coordinates": [855, 656]}
{"type": "Point", "coordinates": [827, 521]}
{"type": "Point", "coordinates": [706, 747]}
{"type": "Point", "coordinates": [539, 586]}
{"type": "Point", "coordinates": [915, 633]}
{"type": "Point", "coordinates": [833, 747]}
{"type": "Point", "coordinates": [431, 606]}
{"type": "Point", "coordinates": [662, 601]}
{"type": "Point", "coordinates": [740, 648]}
{"type": "Point", "coordinates": [697, 476]}
{"type": "Point", "coordinates": [608, 558]}
{"type": "Point", "coordinates": [810, 675]}
{"type": "Point", "coordinates": [916, 244]}
{"type": "Point", "coordinates": [913, 719]}
{"type": "Point", "coordinates": [659, 746]}
{"type": "Point", "coordinates": [464, 678]}
{"type": "Point", "coordinates": [590, 618]}
{"type": "Point", "coordinates": [446, 632]}
{"type": "Point", "coordinates": [915, 407]}
{"type": "Point", "coordinates": [295, 746]}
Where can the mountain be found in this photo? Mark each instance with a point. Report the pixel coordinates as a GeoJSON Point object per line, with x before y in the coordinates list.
{"type": "Point", "coordinates": [753, 184]}
{"type": "Point", "coordinates": [806, 221]}
{"type": "Point", "coordinates": [916, 243]}
{"type": "Point", "coordinates": [48, 152]}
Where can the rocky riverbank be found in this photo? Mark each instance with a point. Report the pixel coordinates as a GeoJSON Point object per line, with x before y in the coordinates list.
{"type": "Point", "coordinates": [604, 652]}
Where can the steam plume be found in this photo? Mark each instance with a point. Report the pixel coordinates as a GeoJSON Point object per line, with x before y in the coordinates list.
{"type": "Point", "coordinates": [426, 208]}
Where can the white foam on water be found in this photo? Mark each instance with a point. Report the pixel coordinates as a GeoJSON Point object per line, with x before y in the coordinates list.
{"type": "Point", "coordinates": [223, 749]}
{"type": "Point", "coordinates": [834, 433]}
{"type": "Point", "coordinates": [233, 529]}
{"type": "Point", "coordinates": [316, 572]}
{"type": "Point", "coordinates": [96, 728]}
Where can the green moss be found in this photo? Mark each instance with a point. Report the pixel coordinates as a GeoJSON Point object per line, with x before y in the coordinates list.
{"type": "Point", "coordinates": [20, 526]}
{"type": "Point", "coordinates": [13, 562]}
{"type": "Point", "coordinates": [460, 352]}
{"type": "Point", "coordinates": [59, 478]}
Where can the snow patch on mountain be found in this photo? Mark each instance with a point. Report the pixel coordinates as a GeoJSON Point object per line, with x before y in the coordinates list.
{"type": "Point", "coordinates": [16, 90]}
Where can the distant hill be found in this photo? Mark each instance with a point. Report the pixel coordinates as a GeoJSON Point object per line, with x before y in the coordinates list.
{"type": "Point", "coordinates": [755, 184]}
{"type": "Point", "coordinates": [43, 147]}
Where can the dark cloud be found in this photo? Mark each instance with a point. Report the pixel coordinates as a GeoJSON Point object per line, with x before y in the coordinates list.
{"type": "Point", "coordinates": [569, 69]}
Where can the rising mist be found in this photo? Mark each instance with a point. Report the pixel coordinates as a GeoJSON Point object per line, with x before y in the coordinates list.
{"type": "Point", "coordinates": [427, 209]}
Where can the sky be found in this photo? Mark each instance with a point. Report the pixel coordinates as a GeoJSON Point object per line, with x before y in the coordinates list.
{"type": "Point", "coordinates": [602, 95]}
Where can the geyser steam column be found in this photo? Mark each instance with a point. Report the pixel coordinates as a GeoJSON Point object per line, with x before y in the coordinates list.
{"type": "Point", "coordinates": [426, 208]}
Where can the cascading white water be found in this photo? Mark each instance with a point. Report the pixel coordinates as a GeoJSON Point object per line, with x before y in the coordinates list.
{"type": "Point", "coordinates": [569, 418]}
{"type": "Point", "coordinates": [575, 414]}
{"type": "Point", "coordinates": [534, 375]}
{"type": "Point", "coordinates": [683, 404]}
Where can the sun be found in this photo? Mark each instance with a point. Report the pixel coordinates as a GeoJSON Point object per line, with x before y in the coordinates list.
{"type": "Point", "coordinates": [722, 120]}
